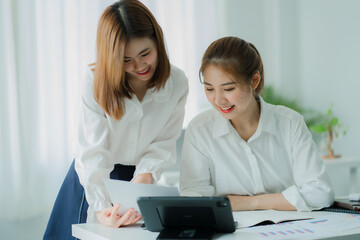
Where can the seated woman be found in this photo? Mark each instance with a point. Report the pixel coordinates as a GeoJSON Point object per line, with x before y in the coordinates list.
{"type": "Point", "coordinates": [259, 155]}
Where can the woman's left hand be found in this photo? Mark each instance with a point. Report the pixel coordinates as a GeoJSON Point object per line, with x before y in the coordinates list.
{"type": "Point", "coordinates": [143, 178]}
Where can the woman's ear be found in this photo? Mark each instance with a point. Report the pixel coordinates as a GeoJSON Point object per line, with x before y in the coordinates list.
{"type": "Point", "coordinates": [256, 80]}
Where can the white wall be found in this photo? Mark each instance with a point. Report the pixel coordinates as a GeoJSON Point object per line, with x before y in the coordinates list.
{"type": "Point", "coordinates": [329, 59]}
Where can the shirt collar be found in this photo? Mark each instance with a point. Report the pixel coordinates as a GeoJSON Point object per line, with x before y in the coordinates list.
{"type": "Point", "coordinates": [223, 126]}
{"type": "Point", "coordinates": [267, 119]}
{"type": "Point", "coordinates": [161, 95]}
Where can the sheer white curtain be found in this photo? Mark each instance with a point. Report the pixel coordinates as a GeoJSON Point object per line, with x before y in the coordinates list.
{"type": "Point", "coordinates": [45, 46]}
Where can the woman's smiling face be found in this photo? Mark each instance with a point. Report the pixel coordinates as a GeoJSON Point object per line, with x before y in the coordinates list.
{"type": "Point", "coordinates": [140, 58]}
{"type": "Point", "coordinates": [231, 99]}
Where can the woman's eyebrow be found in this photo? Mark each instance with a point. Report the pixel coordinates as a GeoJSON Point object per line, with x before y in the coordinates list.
{"type": "Point", "coordinates": [224, 84]}
{"type": "Point", "coordinates": [141, 52]}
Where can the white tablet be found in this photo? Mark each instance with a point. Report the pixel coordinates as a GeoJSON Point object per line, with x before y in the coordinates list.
{"type": "Point", "coordinates": [126, 193]}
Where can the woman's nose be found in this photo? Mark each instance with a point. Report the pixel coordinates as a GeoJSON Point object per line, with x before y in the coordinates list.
{"type": "Point", "coordinates": [138, 65]}
{"type": "Point", "coordinates": [219, 98]}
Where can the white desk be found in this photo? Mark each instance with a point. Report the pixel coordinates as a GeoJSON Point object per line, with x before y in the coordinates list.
{"type": "Point", "coordinates": [100, 232]}
{"type": "Point", "coordinates": [346, 162]}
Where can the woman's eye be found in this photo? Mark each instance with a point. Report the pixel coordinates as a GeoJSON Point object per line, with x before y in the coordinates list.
{"type": "Point", "coordinates": [127, 61]}
{"type": "Point", "coordinates": [229, 89]}
{"type": "Point", "coordinates": [145, 54]}
{"type": "Point", "coordinates": [209, 89]}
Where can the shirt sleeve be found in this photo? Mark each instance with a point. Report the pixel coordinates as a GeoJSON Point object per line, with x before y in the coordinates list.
{"type": "Point", "coordinates": [312, 189]}
{"type": "Point", "coordinates": [195, 177]}
{"type": "Point", "coordinates": [161, 153]}
{"type": "Point", "coordinates": [93, 161]}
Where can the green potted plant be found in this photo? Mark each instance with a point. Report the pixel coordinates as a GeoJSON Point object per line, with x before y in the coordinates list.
{"type": "Point", "coordinates": [331, 128]}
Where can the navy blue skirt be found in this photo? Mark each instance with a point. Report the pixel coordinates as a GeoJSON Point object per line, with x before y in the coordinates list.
{"type": "Point", "coordinates": [71, 206]}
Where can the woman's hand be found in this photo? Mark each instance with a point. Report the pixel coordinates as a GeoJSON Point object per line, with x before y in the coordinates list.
{"type": "Point", "coordinates": [143, 178]}
{"type": "Point", "coordinates": [111, 218]}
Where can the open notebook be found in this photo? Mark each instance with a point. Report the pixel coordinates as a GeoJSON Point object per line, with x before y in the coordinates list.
{"type": "Point", "coordinates": [251, 218]}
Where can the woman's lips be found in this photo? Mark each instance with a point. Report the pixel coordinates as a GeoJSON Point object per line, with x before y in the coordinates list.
{"type": "Point", "coordinates": [227, 109]}
{"type": "Point", "coordinates": [146, 71]}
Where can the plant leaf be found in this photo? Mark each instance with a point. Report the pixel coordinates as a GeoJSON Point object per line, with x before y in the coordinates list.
{"type": "Point", "coordinates": [334, 121]}
{"type": "Point", "coordinates": [318, 128]}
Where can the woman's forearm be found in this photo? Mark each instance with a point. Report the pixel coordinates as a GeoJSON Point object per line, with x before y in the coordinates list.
{"type": "Point", "coordinates": [274, 201]}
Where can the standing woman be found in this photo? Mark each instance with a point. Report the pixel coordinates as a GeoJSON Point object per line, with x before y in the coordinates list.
{"type": "Point", "coordinates": [132, 110]}
{"type": "Point", "coordinates": [260, 155]}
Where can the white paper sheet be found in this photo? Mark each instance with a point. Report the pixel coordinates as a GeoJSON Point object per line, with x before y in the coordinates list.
{"type": "Point", "coordinates": [328, 225]}
{"type": "Point", "coordinates": [126, 193]}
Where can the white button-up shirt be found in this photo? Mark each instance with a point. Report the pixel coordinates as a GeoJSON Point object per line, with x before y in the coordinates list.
{"type": "Point", "coordinates": [280, 157]}
{"type": "Point", "coordinates": [145, 136]}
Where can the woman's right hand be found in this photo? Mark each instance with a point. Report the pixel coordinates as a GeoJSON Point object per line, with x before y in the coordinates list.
{"type": "Point", "coordinates": [111, 218]}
